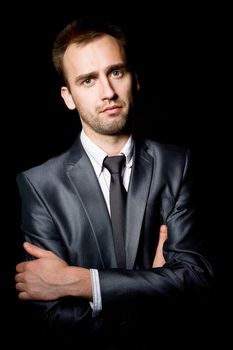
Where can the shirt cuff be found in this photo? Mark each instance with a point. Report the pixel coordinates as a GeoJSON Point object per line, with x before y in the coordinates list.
{"type": "Point", "coordinates": [96, 304]}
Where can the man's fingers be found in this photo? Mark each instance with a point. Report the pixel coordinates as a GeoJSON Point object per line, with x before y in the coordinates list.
{"type": "Point", "coordinates": [163, 233]}
{"type": "Point", "coordinates": [20, 267]}
{"type": "Point", "coordinates": [159, 260]}
{"type": "Point", "coordinates": [18, 277]}
{"type": "Point", "coordinates": [19, 286]}
{"type": "Point", "coordinates": [23, 296]}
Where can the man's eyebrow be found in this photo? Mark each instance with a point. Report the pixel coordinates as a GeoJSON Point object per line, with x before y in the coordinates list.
{"type": "Point", "coordinates": [86, 76]}
{"type": "Point", "coordinates": [116, 66]}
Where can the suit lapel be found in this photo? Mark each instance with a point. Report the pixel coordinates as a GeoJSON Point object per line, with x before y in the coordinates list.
{"type": "Point", "coordinates": [136, 201]}
{"type": "Point", "coordinates": [81, 174]}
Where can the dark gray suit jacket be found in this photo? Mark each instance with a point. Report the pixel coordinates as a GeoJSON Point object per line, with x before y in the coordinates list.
{"type": "Point", "coordinates": [63, 210]}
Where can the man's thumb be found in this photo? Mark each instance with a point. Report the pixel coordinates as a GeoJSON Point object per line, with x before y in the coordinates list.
{"type": "Point", "coordinates": [35, 251]}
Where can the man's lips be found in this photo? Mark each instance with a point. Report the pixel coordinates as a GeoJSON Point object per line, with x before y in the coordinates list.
{"type": "Point", "coordinates": [111, 108]}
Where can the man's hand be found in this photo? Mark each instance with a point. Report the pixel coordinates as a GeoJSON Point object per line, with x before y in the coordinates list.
{"type": "Point", "coordinates": [49, 277]}
{"type": "Point", "coordinates": [159, 260]}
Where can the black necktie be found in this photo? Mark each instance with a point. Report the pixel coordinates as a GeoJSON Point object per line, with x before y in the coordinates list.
{"type": "Point", "coordinates": [118, 205]}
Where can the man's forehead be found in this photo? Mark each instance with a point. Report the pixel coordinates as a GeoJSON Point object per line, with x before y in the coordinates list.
{"type": "Point", "coordinates": [99, 53]}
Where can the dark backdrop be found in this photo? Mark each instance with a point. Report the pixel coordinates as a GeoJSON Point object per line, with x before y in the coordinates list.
{"type": "Point", "coordinates": [180, 68]}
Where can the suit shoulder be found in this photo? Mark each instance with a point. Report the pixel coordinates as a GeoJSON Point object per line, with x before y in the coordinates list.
{"type": "Point", "coordinates": [170, 159]}
{"type": "Point", "coordinates": [166, 150]}
{"type": "Point", "coordinates": [46, 170]}
{"type": "Point", "coordinates": [53, 169]}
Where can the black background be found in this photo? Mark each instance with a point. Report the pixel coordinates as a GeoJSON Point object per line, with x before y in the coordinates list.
{"type": "Point", "coordinates": [182, 55]}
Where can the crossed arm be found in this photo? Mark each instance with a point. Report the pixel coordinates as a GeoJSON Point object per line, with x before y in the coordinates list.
{"type": "Point", "coordinates": [49, 277]}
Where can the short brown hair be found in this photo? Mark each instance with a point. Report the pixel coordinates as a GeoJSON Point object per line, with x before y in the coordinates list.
{"type": "Point", "coordinates": [83, 31]}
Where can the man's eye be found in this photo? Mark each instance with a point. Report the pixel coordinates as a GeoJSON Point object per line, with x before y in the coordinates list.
{"type": "Point", "coordinates": [87, 81]}
{"type": "Point", "coordinates": [117, 73]}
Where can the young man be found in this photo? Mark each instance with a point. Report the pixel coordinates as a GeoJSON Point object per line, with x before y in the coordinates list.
{"type": "Point", "coordinates": [77, 282]}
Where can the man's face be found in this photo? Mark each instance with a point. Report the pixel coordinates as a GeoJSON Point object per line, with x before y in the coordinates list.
{"type": "Point", "coordinates": [100, 85]}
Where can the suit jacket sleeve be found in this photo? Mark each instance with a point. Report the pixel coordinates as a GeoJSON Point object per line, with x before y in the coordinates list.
{"type": "Point", "coordinates": [66, 314]}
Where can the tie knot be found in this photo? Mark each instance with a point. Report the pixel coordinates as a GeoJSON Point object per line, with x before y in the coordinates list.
{"type": "Point", "coordinates": [114, 164]}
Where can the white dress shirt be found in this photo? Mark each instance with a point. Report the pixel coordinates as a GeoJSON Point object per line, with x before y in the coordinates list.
{"type": "Point", "coordinates": [96, 156]}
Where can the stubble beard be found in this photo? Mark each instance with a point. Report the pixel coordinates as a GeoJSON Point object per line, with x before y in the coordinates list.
{"type": "Point", "coordinates": [106, 125]}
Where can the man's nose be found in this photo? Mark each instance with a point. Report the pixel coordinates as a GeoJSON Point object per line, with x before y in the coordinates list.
{"type": "Point", "coordinates": [107, 90]}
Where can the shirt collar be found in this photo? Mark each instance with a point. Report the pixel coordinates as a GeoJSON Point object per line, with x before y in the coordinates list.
{"type": "Point", "coordinates": [97, 155]}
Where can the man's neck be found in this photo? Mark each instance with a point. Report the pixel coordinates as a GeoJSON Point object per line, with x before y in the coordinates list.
{"type": "Point", "coordinates": [111, 144]}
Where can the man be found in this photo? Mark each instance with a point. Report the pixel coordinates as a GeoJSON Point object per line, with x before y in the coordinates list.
{"type": "Point", "coordinates": [76, 284]}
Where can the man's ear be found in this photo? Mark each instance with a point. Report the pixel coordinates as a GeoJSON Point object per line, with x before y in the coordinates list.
{"type": "Point", "coordinates": [67, 97]}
